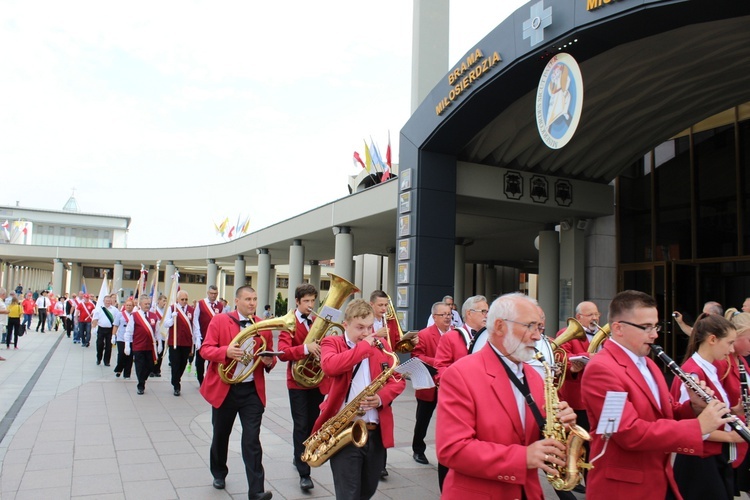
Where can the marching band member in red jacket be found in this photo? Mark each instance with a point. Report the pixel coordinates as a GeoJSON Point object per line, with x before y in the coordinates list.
{"type": "Point", "coordinates": [248, 398]}
{"type": "Point", "coordinates": [352, 362]}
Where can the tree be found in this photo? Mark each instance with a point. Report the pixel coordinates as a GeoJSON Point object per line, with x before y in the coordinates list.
{"type": "Point", "coordinates": [281, 305]}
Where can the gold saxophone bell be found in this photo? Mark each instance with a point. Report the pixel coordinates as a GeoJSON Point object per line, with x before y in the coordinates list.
{"type": "Point", "coordinates": [307, 371]}
{"type": "Point", "coordinates": [249, 357]}
{"type": "Point", "coordinates": [402, 346]}
{"type": "Point", "coordinates": [573, 331]}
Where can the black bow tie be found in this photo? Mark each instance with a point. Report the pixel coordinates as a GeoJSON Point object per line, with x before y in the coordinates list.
{"type": "Point", "coordinates": [245, 322]}
{"type": "Point", "coordinates": [307, 319]}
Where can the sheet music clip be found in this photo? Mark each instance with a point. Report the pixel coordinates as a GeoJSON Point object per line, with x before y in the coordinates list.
{"type": "Point", "coordinates": [609, 420]}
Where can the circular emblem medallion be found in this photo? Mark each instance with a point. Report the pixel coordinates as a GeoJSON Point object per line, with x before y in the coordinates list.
{"type": "Point", "coordinates": [559, 100]}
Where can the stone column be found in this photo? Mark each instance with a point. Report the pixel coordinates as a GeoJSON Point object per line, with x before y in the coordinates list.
{"type": "Point", "coordinates": [572, 265]}
{"type": "Point", "coordinates": [76, 272]}
{"type": "Point", "coordinates": [359, 275]}
{"type": "Point", "coordinates": [239, 272]}
{"type": "Point", "coordinates": [168, 273]}
{"type": "Point", "coordinates": [296, 268]}
{"type": "Point", "coordinates": [272, 287]}
{"type": "Point", "coordinates": [117, 273]}
{"type": "Point", "coordinates": [459, 275]}
{"type": "Point", "coordinates": [390, 274]}
{"type": "Point", "coordinates": [212, 271]}
{"type": "Point", "coordinates": [549, 277]}
{"type": "Point", "coordinates": [344, 252]}
{"type": "Point", "coordinates": [490, 283]}
{"type": "Point", "coordinates": [264, 277]}
{"type": "Point", "coordinates": [57, 277]}
{"type": "Point", "coordinates": [315, 279]}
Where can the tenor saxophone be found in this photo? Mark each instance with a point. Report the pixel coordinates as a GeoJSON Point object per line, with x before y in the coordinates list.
{"type": "Point", "coordinates": [344, 428]}
{"type": "Point", "coordinates": [573, 438]}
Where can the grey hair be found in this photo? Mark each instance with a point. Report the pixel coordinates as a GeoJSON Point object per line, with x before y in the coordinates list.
{"type": "Point", "coordinates": [505, 307]}
{"type": "Point", "coordinates": [447, 297]}
{"type": "Point", "coordinates": [714, 307]}
{"type": "Point", "coordinates": [435, 306]}
{"type": "Point", "coordinates": [213, 287]}
{"type": "Point", "coordinates": [470, 303]}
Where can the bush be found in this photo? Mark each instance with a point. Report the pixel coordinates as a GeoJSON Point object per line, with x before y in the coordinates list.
{"type": "Point", "coordinates": [281, 305]}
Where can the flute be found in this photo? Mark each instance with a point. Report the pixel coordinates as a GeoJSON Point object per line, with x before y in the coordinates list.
{"type": "Point", "coordinates": [737, 425]}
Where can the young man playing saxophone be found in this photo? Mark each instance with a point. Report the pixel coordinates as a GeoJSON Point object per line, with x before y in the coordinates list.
{"type": "Point", "coordinates": [352, 362]}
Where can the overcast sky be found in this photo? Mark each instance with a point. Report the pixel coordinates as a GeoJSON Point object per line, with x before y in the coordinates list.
{"type": "Point", "coordinates": [181, 113]}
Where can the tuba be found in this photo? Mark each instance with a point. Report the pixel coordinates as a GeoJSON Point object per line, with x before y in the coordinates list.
{"type": "Point", "coordinates": [573, 331]}
{"type": "Point", "coordinates": [249, 338]}
{"type": "Point", "coordinates": [573, 438]}
{"type": "Point", "coordinates": [602, 335]}
{"type": "Point", "coordinates": [306, 371]}
{"type": "Point", "coordinates": [402, 346]}
{"type": "Point", "coordinates": [342, 429]}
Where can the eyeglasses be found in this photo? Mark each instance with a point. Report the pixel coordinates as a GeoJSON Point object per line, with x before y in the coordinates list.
{"type": "Point", "coordinates": [442, 315]}
{"type": "Point", "coordinates": [483, 311]}
{"type": "Point", "coordinates": [592, 314]}
{"type": "Point", "coordinates": [645, 328]}
{"type": "Point", "coordinates": [529, 326]}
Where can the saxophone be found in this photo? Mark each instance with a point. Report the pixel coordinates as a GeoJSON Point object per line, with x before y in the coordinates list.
{"type": "Point", "coordinates": [341, 429]}
{"type": "Point", "coordinates": [573, 438]}
{"type": "Point", "coordinates": [744, 390]}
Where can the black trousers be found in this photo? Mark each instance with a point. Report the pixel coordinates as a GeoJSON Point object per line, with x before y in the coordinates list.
{"type": "Point", "coordinates": [425, 409]}
{"type": "Point", "coordinates": [178, 358]}
{"type": "Point", "coordinates": [241, 399]}
{"type": "Point", "coordinates": [124, 363]}
{"type": "Point", "coordinates": [104, 344]}
{"type": "Point", "coordinates": [42, 319]}
{"type": "Point", "coordinates": [68, 324]}
{"type": "Point", "coordinates": [14, 326]}
{"type": "Point", "coordinates": [305, 408]}
{"type": "Point", "coordinates": [200, 366]}
{"type": "Point", "coordinates": [699, 478]}
{"type": "Point", "coordinates": [156, 368]}
{"type": "Point", "coordinates": [144, 363]}
{"type": "Point", "coordinates": [356, 471]}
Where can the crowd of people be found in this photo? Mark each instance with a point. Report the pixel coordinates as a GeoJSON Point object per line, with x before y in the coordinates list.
{"type": "Point", "coordinates": [490, 387]}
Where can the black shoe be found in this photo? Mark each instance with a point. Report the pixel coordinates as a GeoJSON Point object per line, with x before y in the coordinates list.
{"type": "Point", "coordinates": [266, 495]}
{"type": "Point", "coordinates": [176, 392]}
{"type": "Point", "coordinates": [139, 391]}
{"type": "Point", "coordinates": [383, 474]}
{"type": "Point", "coordinates": [151, 375]}
{"type": "Point", "coordinates": [117, 374]}
{"type": "Point", "coordinates": [98, 362]}
{"type": "Point", "coordinates": [157, 375]}
{"type": "Point", "coordinates": [420, 458]}
{"type": "Point", "coordinates": [305, 483]}
{"type": "Point", "coordinates": [219, 483]}
{"type": "Point", "coordinates": [106, 364]}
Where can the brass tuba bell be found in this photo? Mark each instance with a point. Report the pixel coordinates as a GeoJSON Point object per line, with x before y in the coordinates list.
{"type": "Point", "coordinates": [573, 331]}
{"type": "Point", "coordinates": [603, 334]}
{"type": "Point", "coordinates": [248, 339]}
{"type": "Point", "coordinates": [402, 346]}
{"type": "Point", "coordinates": [307, 371]}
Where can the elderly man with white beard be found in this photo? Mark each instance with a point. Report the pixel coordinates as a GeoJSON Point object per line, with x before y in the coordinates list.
{"type": "Point", "coordinates": [488, 432]}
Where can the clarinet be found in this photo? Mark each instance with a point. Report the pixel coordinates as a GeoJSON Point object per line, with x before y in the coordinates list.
{"type": "Point", "coordinates": [744, 389]}
{"type": "Point", "coordinates": [737, 425]}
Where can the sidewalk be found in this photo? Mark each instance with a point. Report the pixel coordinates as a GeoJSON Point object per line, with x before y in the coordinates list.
{"type": "Point", "coordinates": [83, 433]}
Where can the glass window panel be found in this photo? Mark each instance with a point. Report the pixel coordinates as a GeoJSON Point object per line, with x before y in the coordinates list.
{"type": "Point", "coordinates": [716, 193]}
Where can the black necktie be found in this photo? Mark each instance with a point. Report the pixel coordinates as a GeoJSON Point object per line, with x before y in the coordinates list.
{"type": "Point", "coordinates": [473, 332]}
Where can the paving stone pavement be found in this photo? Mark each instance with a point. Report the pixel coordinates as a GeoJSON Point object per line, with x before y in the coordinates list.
{"type": "Point", "coordinates": [82, 433]}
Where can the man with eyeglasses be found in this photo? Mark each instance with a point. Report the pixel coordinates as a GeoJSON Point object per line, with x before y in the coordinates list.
{"type": "Point", "coordinates": [652, 426]}
{"type": "Point", "coordinates": [425, 350]}
{"type": "Point", "coordinates": [488, 431]}
{"type": "Point", "coordinates": [455, 317]}
{"type": "Point", "coordinates": [458, 343]}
